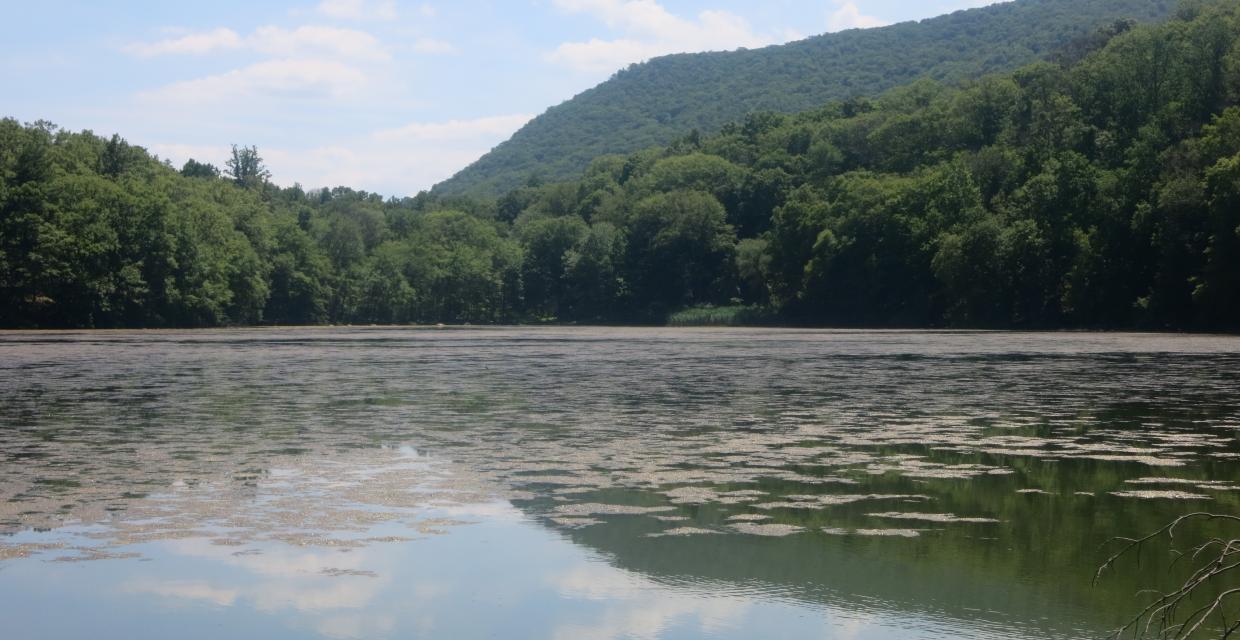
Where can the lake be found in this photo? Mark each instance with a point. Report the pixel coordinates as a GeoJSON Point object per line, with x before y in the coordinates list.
{"type": "Point", "coordinates": [598, 482]}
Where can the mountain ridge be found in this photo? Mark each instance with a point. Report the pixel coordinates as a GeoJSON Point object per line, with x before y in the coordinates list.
{"type": "Point", "coordinates": [654, 102]}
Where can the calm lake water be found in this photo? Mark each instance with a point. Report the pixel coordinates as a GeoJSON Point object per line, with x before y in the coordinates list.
{"type": "Point", "coordinates": [598, 483]}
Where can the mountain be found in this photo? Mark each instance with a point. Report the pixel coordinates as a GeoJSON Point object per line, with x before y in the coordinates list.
{"type": "Point", "coordinates": [1099, 190]}
{"type": "Point", "coordinates": [658, 101]}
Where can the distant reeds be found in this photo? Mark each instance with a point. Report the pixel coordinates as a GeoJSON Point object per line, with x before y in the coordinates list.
{"type": "Point", "coordinates": [712, 316]}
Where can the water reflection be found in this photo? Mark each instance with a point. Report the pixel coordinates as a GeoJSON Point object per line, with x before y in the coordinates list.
{"type": "Point", "coordinates": [599, 483]}
{"type": "Point", "coordinates": [470, 584]}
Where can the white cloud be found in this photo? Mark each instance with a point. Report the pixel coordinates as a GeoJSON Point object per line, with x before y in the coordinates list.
{"type": "Point", "coordinates": [456, 130]}
{"type": "Point", "coordinates": [636, 611]}
{"type": "Point", "coordinates": [308, 40]}
{"type": "Point", "coordinates": [184, 590]}
{"type": "Point", "coordinates": [304, 62]}
{"type": "Point", "coordinates": [276, 41]}
{"type": "Point", "coordinates": [299, 78]}
{"type": "Point", "coordinates": [399, 161]}
{"type": "Point", "coordinates": [358, 9]}
{"type": "Point", "coordinates": [179, 153]}
{"type": "Point", "coordinates": [973, 4]}
{"type": "Point", "coordinates": [193, 43]}
{"type": "Point", "coordinates": [604, 55]}
{"type": "Point", "coordinates": [848, 16]}
{"type": "Point", "coordinates": [431, 45]}
{"type": "Point", "coordinates": [649, 30]}
{"type": "Point", "coordinates": [287, 579]}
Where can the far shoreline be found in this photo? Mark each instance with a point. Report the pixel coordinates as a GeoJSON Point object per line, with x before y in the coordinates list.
{"type": "Point", "coordinates": [583, 326]}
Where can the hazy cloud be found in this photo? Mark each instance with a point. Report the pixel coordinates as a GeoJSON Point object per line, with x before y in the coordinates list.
{"type": "Point", "coordinates": [648, 30]}
{"type": "Point", "coordinates": [848, 16]}
{"type": "Point", "coordinates": [358, 9]}
{"type": "Point", "coordinates": [309, 40]}
{"type": "Point", "coordinates": [431, 45]}
{"type": "Point", "coordinates": [456, 129]}
{"type": "Point", "coordinates": [277, 41]}
{"type": "Point", "coordinates": [193, 43]}
{"type": "Point", "coordinates": [399, 161]}
{"type": "Point", "coordinates": [302, 78]}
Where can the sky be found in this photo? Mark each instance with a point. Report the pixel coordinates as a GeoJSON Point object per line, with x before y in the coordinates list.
{"type": "Point", "coordinates": [390, 96]}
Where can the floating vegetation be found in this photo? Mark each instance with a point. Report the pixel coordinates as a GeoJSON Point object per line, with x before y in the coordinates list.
{"type": "Point", "coordinates": [326, 471]}
{"type": "Point", "coordinates": [932, 517]}
{"type": "Point", "coordinates": [914, 467]}
{"type": "Point", "coordinates": [387, 540]}
{"type": "Point", "coordinates": [93, 554]}
{"type": "Point", "coordinates": [899, 533]}
{"type": "Point", "coordinates": [771, 530]}
{"type": "Point", "coordinates": [682, 531]}
{"type": "Point", "coordinates": [595, 509]}
{"type": "Point", "coordinates": [348, 573]}
{"type": "Point", "coordinates": [1160, 495]}
{"type": "Point", "coordinates": [822, 501]}
{"type": "Point", "coordinates": [1207, 485]}
{"type": "Point", "coordinates": [17, 551]}
{"type": "Point", "coordinates": [576, 523]}
{"type": "Point", "coordinates": [692, 495]}
{"type": "Point", "coordinates": [1152, 461]}
{"type": "Point", "coordinates": [873, 533]}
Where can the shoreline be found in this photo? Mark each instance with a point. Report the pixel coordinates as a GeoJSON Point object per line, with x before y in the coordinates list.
{"type": "Point", "coordinates": [668, 327]}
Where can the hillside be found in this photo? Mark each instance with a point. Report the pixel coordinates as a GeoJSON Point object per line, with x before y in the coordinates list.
{"type": "Point", "coordinates": [1100, 192]}
{"type": "Point", "coordinates": [656, 102]}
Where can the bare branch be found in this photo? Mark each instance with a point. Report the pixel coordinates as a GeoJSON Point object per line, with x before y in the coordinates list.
{"type": "Point", "coordinates": [1213, 560]}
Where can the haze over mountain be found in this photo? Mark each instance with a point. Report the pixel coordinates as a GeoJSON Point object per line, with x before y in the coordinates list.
{"type": "Point", "coordinates": [658, 101]}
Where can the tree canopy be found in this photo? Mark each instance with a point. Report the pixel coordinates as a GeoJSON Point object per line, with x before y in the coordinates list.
{"type": "Point", "coordinates": [669, 97]}
{"type": "Point", "coordinates": [1100, 189]}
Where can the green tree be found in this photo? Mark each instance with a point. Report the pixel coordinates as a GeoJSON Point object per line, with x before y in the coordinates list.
{"type": "Point", "coordinates": [246, 168]}
{"type": "Point", "coordinates": [680, 252]}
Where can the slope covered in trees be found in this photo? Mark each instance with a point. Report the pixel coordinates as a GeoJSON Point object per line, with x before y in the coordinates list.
{"type": "Point", "coordinates": [1102, 190]}
{"type": "Point", "coordinates": [655, 102]}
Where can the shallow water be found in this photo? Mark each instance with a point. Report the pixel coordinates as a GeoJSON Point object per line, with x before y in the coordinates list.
{"type": "Point", "coordinates": [597, 483]}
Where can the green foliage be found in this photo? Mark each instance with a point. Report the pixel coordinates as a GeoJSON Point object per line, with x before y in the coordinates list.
{"type": "Point", "coordinates": [710, 316]}
{"type": "Point", "coordinates": [680, 252]}
{"type": "Point", "coordinates": [246, 168]}
{"type": "Point", "coordinates": [1101, 190]}
{"type": "Point", "coordinates": [672, 98]}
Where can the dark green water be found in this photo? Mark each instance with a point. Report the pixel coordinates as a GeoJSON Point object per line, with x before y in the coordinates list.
{"type": "Point", "coordinates": [598, 483]}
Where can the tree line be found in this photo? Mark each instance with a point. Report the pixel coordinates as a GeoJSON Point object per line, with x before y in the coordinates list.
{"type": "Point", "coordinates": [1099, 189]}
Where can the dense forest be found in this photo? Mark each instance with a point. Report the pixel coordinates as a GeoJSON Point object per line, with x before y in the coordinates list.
{"type": "Point", "coordinates": [654, 103]}
{"type": "Point", "coordinates": [1098, 189]}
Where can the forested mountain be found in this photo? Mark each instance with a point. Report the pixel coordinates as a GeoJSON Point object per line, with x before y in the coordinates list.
{"type": "Point", "coordinates": [653, 103]}
{"type": "Point", "coordinates": [1098, 190]}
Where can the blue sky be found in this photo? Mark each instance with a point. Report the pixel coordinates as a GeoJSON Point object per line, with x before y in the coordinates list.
{"type": "Point", "coordinates": [385, 95]}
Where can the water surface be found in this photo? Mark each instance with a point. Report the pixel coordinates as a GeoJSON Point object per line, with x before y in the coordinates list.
{"type": "Point", "coordinates": [597, 483]}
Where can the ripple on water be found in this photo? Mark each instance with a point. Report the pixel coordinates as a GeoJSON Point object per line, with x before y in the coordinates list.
{"type": "Point", "coordinates": [339, 442]}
